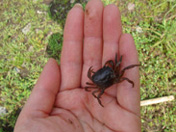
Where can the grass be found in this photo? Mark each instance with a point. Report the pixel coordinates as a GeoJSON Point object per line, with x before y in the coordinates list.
{"type": "Point", "coordinates": [22, 56]}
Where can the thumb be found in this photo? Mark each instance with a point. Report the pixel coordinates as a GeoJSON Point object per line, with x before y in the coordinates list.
{"type": "Point", "coordinates": [42, 98]}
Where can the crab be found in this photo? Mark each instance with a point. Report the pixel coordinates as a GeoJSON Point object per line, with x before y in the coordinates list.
{"type": "Point", "coordinates": [105, 77]}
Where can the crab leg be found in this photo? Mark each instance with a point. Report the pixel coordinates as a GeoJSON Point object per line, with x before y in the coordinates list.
{"type": "Point", "coordinates": [117, 67]}
{"type": "Point", "coordinates": [111, 63]}
{"type": "Point", "coordinates": [128, 67]}
{"type": "Point", "coordinates": [87, 88]}
{"type": "Point", "coordinates": [124, 78]}
{"type": "Point", "coordinates": [89, 83]}
{"type": "Point", "coordinates": [89, 73]}
{"type": "Point", "coordinates": [118, 63]}
{"type": "Point", "coordinates": [99, 96]}
{"type": "Point", "coordinates": [93, 93]}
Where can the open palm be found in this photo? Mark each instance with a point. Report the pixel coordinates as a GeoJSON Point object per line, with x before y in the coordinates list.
{"type": "Point", "coordinates": [59, 103]}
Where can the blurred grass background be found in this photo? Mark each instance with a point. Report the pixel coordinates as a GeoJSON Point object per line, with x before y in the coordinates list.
{"type": "Point", "coordinates": [32, 31]}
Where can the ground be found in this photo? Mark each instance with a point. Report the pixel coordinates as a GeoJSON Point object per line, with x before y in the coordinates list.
{"type": "Point", "coordinates": [30, 33]}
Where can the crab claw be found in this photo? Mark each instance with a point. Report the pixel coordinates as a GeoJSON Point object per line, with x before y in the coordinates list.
{"type": "Point", "coordinates": [89, 73]}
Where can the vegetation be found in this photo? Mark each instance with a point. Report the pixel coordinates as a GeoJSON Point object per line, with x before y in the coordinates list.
{"type": "Point", "coordinates": [31, 33]}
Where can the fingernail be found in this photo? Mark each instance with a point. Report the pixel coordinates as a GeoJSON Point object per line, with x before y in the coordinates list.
{"type": "Point", "coordinates": [78, 5]}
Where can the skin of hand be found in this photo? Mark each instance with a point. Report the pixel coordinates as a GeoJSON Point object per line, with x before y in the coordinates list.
{"type": "Point", "coordinates": [59, 103]}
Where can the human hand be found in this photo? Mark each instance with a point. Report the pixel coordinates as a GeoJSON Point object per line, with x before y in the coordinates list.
{"type": "Point", "coordinates": [59, 102]}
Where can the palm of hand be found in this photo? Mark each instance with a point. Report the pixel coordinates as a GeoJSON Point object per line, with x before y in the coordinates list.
{"type": "Point", "coordinates": [81, 111]}
{"type": "Point", "coordinates": [58, 101]}
{"type": "Point", "coordinates": [77, 116]}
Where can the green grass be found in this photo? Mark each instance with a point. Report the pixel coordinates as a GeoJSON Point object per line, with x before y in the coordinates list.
{"type": "Point", "coordinates": [22, 56]}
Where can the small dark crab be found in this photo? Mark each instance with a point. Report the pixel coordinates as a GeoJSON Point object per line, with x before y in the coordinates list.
{"type": "Point", "coordinates": [107, 76]}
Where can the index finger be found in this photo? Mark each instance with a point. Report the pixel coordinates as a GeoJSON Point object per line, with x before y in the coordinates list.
{"type": "Point", "coordinates": [71, 57]}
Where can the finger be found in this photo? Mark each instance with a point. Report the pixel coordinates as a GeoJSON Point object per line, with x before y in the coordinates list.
{"type": "Point", "coordinates": [93, 37]}
{"type": "Point", "coordinates": [42, 98]}
{"type": "Point", "coordinates": [71, 57]}
{"type": "Point", "coordinates": [112, 29]}
{"type": "Point", "coordinates": [127, 96]}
